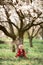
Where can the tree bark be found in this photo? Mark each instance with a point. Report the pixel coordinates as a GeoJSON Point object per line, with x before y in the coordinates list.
{"type": "Point", "coordinates": [21, 34]}
{"type": "Point", "coordinates": [13, 36]}
{"type": "Point", "coordinates": [13, 46]}
{"type": "Point", "coordinates": [30, 41]}
{"type": "Point", "coordinates": [42, 33]}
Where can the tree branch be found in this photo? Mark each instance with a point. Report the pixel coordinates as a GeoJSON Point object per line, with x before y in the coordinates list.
{"type": "Point", "coordinates": [31, 23]}
{"type": "Point", "coordinates": [21, 20]}
{"type": "Point", "coordinates": [11, 28]}
{"type": "Point", "coordinates": [20, 14]}
{"type": "Point", "coordinates": [31, 26]}
{"type": "Point", "coordinates": [9, 21]}
{"type": "Point", "coordinates": [21, 17]}
{"type": "Point", "coordinates": [7, 33]}
{"type": "Point", "coordinates": [28, 34]}
{"type": "Point", "coordinates": [31, 1]}
{"type": "Point", "coordinates": [37, 24]}
{"type": "Point", "coordinates": [32, 31]}
{"type": "Point", "coordinates": [36, 32]}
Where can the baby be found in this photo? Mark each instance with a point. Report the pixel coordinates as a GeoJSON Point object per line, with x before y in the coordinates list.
{"type": "Point", "coordinates": [21, 51]}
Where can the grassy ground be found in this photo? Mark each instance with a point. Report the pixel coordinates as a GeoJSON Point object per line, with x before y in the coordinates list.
{"type": "Point", "coordinates": [35, 54]}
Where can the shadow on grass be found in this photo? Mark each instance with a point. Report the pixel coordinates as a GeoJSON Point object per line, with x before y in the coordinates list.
{"type": "Point", "coordinates": [38, 60]}
{"type": "Point", "coordinates": [7, 59]}
{"type": "Point", "coordinates": [2, 42]}
{"type": "Point", "coordinates": [14, 59]}
{"type": "Point", "coordinates": [35, 58]}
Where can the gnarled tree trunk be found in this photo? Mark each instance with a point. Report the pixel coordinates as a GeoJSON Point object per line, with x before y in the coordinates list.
{"type": "Point", "coordinates": [19, 39]}
{"type": "Point", "coordinates": [21, 34]}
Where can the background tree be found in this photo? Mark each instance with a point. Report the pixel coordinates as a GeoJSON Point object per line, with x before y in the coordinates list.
{"type": "Point", "coordinates": [32, 32]}
{"type": "Point", "coordinates": [41, 32]}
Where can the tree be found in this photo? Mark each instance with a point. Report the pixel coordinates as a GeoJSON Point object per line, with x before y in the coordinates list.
{"type": "Point", "coordinates": [22, 18]}
{"type": "Point", "coordinates": [32, 32]}
{"type": "Point", "coordinates": [24, 12]}
{"type": "Point", "coordinates": [41, 32]}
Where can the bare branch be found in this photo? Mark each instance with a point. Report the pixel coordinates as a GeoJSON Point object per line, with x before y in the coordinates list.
{"type": "Point", "coordinates": [31, 23]}
{"type": "Point", "coordinates": [13, 36]}
{"type": "Point", "coordinates": [9, 21]}
{"type": "Point", "coordinates": [31, 1]}
{"type": "Point", "coordinates": [36, 32]}
{"type": "Point", "coordinates": [28, 34]}
{"type": "Point", "coordinates": [37, 24]}
{"type": "Point", "coordinates": [32, 31]}
{"type": "Point", "coordinates": [20, 14]}
{"type": "Point", "coordinates": [11, 28]}
{"type": "Point", "coordinates": [26, 28]}
{"type": "Point", "coordinates": [21, 17]}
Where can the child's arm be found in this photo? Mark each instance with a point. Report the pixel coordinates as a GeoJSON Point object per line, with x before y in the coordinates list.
{"type": "Point", "coordinates": [18, 54]}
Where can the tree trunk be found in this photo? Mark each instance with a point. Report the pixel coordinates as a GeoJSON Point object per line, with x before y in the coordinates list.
{"type": "Point", "coordinates": [42, 33]}
{"type": "Point", "coordinates": [13, 46]}
{"type": "Point", "coordinates": [30, 41]}
{"type": "Point", "coordinates": [21, 37]}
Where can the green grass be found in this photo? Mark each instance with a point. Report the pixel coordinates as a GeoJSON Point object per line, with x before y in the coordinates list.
{"type": "Point", "coordinates": [35, 54]}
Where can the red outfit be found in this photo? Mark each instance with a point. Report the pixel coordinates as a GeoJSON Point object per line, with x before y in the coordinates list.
{"type": "Point", "coordinates": [21, 53]}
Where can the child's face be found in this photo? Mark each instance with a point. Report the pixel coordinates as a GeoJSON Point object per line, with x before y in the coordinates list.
{"type": "Point", "coordinates": [21, 47]}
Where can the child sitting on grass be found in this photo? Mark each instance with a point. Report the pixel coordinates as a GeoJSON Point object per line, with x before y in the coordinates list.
{"type": "Point", "coordinates": [21, 52]}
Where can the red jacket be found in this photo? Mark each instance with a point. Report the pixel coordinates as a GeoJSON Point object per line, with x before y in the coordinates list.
{"type": "Point", "coordinates": [20, 53]}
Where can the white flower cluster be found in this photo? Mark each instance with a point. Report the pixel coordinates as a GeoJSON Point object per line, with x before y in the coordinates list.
{"type": "Point", "coordinates": [28, 9]}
